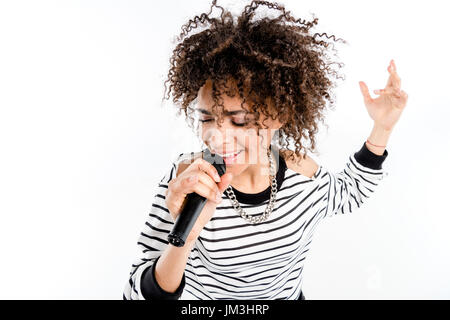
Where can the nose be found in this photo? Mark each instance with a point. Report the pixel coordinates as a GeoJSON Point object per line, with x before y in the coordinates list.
{"type": "Point", "coordinates": [220, 138]}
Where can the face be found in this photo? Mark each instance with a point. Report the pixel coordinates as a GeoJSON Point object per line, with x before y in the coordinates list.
{"type": "Point", "coordinates": [237, 140]}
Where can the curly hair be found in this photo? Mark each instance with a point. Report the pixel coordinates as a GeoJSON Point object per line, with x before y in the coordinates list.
{"type": "Point", "coordinates": [279, 69]}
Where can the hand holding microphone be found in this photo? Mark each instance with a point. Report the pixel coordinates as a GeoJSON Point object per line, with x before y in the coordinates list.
{"type": "Point", "coordinates": [192, 197]}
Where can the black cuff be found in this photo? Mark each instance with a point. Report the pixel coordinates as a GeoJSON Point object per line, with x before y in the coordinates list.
{"type": "Point", "coordinates": [368, 159]}
{"type": "Point", "coordinates": [151, 290]}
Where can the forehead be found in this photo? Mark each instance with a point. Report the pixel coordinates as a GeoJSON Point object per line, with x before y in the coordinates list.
{"type": "Point", "coordinates": [231, 105]}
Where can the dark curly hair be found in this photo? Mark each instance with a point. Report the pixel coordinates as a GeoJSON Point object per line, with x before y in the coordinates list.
{"type": "Point", "coordinates": [268, 60]}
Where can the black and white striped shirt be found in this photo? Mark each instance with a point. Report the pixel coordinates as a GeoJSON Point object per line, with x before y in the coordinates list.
{"type": "Point", "coordinates": [233, 259]}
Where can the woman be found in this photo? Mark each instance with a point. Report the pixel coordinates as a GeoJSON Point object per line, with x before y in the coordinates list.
{"type": "Point", "coordinates": [246, 85]}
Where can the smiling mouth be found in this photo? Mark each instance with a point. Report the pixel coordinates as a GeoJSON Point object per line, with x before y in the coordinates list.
{"type": "Point", "coordinates": [231, 158]}
{"type": "Point", "coordinates": [229, 155]}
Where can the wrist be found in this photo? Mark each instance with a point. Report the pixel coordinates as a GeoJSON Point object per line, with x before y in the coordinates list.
{"type": "Point", "coordinates": [186, 248]}
{"type": "Point", "coordinates": [378, 139]}
{"type": "Point", "coordinates": [378, 128]}
{"type": "Point", "coordinates": [180, 251]}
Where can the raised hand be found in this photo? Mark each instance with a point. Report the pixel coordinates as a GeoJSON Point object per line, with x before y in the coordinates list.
{"type": "Point", "coordinates": [386, 109]}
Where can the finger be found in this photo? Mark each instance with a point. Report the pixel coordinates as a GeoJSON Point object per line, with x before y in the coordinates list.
{"type": "Point", "coordinates": [378, 91]}
{"type": "Point", "coordinates": [389, 91]}
{"type": "Point", "coordinates": [225, 181]}
{"type": "Point", "coordinates": [198, 182]}
{"type": "Point", "coordinates": [394, 80]}
{"type": "Point", "coordinates": [203, 178]}
{"type": "Point", "coordinates": [176, 192]}
{"type": "Point", "coordinates": [365, 91]}
{"type": "Point", "coordinates": [393, 65]}
{"type": "Point", "coordinates": [205, 166]}
{"type": "Point", "coordinates": [207, 180]}
{"type": "Point", "coordinates": [212, 194]}
{"type": "Point", "coordinates": [183, 184]}
{"type": "Point", "coordinates": [404, 94]}
{"type": "Point", "coordinates": [400, 94]}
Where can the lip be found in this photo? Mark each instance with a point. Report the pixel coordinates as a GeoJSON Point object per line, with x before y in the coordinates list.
{"type": "Point", "coordinates": [223, 153]}
{"type": "Point", "coordinates": [232, 159]}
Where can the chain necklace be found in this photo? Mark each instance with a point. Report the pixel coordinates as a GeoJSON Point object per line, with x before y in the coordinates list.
{"type": "Point", "coordinates": [273, 193]}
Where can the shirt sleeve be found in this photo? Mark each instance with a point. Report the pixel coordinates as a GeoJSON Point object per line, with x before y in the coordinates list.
{"type": "Point", "coordinates": [349, 189]}
{"type": "Point", "coordinates": [152, 241]}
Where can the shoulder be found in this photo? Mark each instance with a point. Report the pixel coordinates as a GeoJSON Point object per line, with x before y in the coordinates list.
{"type": "Point", "coordinates": [305, 166]}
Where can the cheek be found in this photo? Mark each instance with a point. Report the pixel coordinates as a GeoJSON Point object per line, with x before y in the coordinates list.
{"type": "Point", "coordinates": [249, 139]}
{"type": "Point", "coordinates": [251, 154]}
{"type": "Point", "coordinates": [253, 143]}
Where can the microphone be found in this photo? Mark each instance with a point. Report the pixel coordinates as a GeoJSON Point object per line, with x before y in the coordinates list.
{"type": "Point", "coordinates": [193, 205]}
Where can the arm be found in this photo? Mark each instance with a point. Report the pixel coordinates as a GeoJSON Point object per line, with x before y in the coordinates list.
{"type": "Point", "coordinates": [165, 279]}
{"type": "Point", "coordinates": [348, 189]}
{"type": "Point", "coordinates": [159, 271]}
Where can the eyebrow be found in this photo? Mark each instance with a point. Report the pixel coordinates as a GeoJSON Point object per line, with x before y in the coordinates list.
{"type": "Point", "coordinates": [230, 113]}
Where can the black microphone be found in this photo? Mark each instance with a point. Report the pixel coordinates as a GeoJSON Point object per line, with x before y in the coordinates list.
{"type": "Point", "coordinates": [193, 205]}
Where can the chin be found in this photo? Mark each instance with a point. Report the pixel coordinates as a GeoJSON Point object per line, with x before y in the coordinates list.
{"type": "Point", "coordinates": [238, 164]}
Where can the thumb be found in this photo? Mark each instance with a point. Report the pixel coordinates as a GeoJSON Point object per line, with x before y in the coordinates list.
{"type": "Point", "coordinates": [365, 91]}
{"type": "Point", "coordinates": [225, 181]}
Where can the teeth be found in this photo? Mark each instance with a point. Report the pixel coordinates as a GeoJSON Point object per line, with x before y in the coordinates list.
{"type": "Point", "coordinates": [228, 155]}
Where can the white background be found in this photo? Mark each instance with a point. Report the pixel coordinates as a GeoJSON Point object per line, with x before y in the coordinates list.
{"type": "Point", "coordinates": [84, 140]}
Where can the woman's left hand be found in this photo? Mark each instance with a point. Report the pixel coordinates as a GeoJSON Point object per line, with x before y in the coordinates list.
{"type": "Point", "coordinates": [386, 109]}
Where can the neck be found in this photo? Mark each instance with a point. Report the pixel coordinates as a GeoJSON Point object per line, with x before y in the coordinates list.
{"type": "Point", "coordinates": [255, 177]}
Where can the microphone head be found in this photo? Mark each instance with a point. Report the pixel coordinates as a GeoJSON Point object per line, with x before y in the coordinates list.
{"type": "Point", "coordinates": [216, 160]}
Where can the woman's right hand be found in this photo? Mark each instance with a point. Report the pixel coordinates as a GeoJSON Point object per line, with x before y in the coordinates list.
{"type": "Point", "coordinates": [202, 178]}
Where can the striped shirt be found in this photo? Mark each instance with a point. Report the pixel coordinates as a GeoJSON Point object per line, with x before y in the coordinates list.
{"type": "Point", "coordinates": [233, 259]}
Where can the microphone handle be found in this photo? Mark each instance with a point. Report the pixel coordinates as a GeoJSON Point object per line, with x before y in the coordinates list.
{"type": "Point", "coordinates": [192, 208]}
{"type": "Point", "coordinates": [193, 205]}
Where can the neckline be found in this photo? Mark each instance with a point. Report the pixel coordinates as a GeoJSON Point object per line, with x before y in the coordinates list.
{"type": "Point", "coordinates": [256, 198]}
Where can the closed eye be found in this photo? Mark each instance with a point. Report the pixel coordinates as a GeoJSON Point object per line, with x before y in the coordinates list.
{"type": "Point", "coordinates": [238, 124]}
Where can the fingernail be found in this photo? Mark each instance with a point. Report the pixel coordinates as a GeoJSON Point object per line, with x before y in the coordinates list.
{"type": "Point", "coordinates": [219, 197]}
{"type": "Point", "coordinates": [217, 177]}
